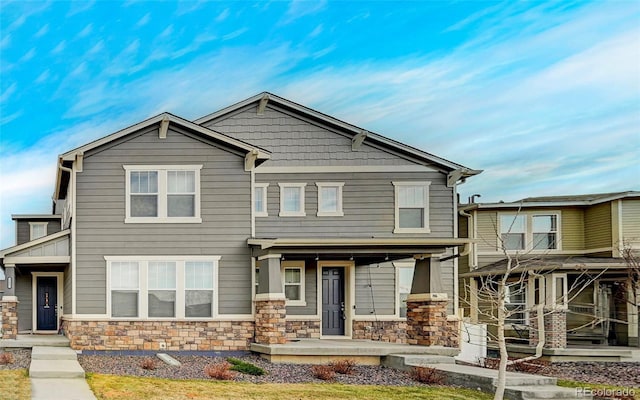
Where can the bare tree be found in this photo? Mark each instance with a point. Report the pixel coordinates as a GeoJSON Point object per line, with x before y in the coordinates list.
{"type": "Point", "coordinates": [495, 292]}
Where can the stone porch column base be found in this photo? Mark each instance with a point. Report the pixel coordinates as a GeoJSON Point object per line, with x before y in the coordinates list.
{"type": "Point", "coordinates": [427, 323]}
{"type": "Point", "coordinates": [9, 317]}
{"type": "Point", "coordinates": [270, 322]}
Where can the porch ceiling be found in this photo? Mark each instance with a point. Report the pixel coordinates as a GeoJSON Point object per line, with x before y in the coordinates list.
{"type": "Point", "coordinates": [363, 250]}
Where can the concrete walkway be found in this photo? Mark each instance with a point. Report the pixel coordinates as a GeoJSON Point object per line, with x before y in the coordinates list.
{"type": "Point", "coordinates": [56, 374]}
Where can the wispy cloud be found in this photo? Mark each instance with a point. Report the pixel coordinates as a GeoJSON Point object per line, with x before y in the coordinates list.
{"type": "Point", "coordinates": [59, 47]}
{"type": "Point", "coordinates": [144, 20]}
{"type": "Point", "coordinates": [301, 8]}
{"type": "Point", "coordinates": [86, 31]}
{"type": "Point", "coordinates": [234, 34]}
{"type": "Point", "coordinates": [28, 55]}
{"type": "Point", "coordinates": [223, 15]}
{"type": "Point", "coordinates": [6, 94]}
{"type": "Point", "coordinates": [43, 31]}
{"type": "Point", "coordinates": [43, 77]}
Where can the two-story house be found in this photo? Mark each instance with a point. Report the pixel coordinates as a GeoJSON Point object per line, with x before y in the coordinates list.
{"type": "Point", "coordinates": [569, 256]}
{"type": "Point", "coordinates": [262, 222]}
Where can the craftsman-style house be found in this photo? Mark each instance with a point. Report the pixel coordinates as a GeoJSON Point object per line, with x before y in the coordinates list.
{"type": "Point", "coordinates": [262, 222]}
{"type": "Point", "coordinates": [570, 254]}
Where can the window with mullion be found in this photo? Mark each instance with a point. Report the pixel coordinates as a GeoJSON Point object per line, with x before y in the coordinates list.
{"type": "Point", "coordinates": [181, 193]}
{"type": "Point", "coordinates": [125, 288]}
{"type": "Point", "coordinates": [545, 232]}
{"type": "Point", "coordinates": [412, 207]}
{"type": "Point", "coordinates": [161, 289]}
{"type": "Point", "coordinates": [198, 289]}
{"type": "Point", "coordinates": [512, 231]}
{"type": "Point", "coordinates": [144, 193]}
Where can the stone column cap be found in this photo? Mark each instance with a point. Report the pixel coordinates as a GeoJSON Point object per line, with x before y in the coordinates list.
{"type": "Point", "coordinates": [427, 297]}
{"type": "Point", "coordinates": [10, 299]}
{"type": "Point", "coordinates": [270, 296]}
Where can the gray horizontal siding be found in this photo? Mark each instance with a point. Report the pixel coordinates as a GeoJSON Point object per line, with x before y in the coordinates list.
{"type": "Point", "coordinates": [24, 292]}
{"type": "Point", "coordinates": [225, 212]}
{"type": "Point", "coordinates": [375, 289]}
{"type": "Point", "coordinates": [294, 141]}
{"type": "Point", "coordinates": [368, 205]}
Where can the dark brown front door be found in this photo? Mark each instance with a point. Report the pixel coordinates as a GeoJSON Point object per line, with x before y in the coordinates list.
{"type": "Point", "coordinates": [333, 306]}
{"type": "Point", "coordinates": [47, 302]}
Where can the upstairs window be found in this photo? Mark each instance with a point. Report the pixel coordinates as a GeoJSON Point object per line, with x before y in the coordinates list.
{"type": "Point", "coordinates": [330, 199]}
{"type": "Point", "coordinates": [545, 232]}
{"type": "Point", "coordinates": [163, 194]}
{"type": "Point", "coordinates": [512, 231]}
{"type": "Point", "coordinates": [292, 199]}
{"type": "Point", "coordinates": [37, 230]}
{"type": "Point", "coordinates": [411, 207]}
{"type": "Point", "coordinates": [529, 232]}
{"type": "Point", "coordinates": [260, 200]}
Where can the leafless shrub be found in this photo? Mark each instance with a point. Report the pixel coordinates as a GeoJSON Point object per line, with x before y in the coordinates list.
{"type": "Point", "coordinates": [148, 364]}
{"type": "Point", "coordinates": [430, 376]}
{"type": "Point", "coordinates": [220, 371]}
{"type": "Point", "coordinates": [324, 372]}
{"type": "Point", "coordinates": [6, 358]}
{"type": "Point", "coordinates": [345, 367]}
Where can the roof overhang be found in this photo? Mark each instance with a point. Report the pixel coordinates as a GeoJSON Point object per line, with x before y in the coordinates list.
{"type": "Point", "coordinates": [557, 203]}
{"type": "Point", "coordinates": [6, 253]}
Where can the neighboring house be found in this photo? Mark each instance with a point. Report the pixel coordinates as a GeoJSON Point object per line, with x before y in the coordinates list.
{"type": "Point", "coordinates": [264, 221]}
{"type": "Point", "coordinates": [563, 239]}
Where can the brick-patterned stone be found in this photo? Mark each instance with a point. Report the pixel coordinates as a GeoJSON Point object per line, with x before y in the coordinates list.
{"type": "Point", "coordinates": [381, 331]}
{"type": "Point", "coordinates": [427, 324]}
{"type": "Point", "coordinates": [555, 328]}
{"type": "Point", "coordinates": [147, 335]}
{"type": "Point", "coordinates": [270, 325]}
{"type": "Point", "coordinates": [298, 329]}
{"type": "Point", "coordinates": [9, 319]}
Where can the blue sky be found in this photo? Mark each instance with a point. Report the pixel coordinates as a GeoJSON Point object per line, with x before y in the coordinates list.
{"type": "Point", "coordinates": [543, 96]}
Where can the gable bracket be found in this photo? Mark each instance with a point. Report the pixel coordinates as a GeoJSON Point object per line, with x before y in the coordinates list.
{"type": "Point", "coordinates": [263, 104]}
{"type": "Point", "coordinates": [164, 127]}
{"type": "Point", "coordinates": [357, 140]}
{"type": "Point", "coordinates": [250, 160]}
{"type": "Point", "coordinates": [79, 161]}
{"type": "Point", "coordinates": [461, 175]}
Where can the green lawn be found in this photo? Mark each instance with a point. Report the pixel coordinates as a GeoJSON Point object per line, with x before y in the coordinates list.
{"type": "Point", "coordinates": [15, 385]}
{"type": "Point", "coordinates": [108, 387]}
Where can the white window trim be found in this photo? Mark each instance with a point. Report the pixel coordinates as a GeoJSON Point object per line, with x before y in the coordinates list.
{"type": "Point", "coordinates": [162, 217]}
{"type": "Point", "coordinates": [143, 267]}
{"type": "Point", "coordinates": [301, 212]}
{"type": "Point", "coordinates": [397, 228]}
{"type": "Point", "coordinates": [528, 231]}
{"type": "Point", "coordinates": [399, 265]}
{"type": "Point", "coordinates": [551, 292]}
{"type": "Point", "coordinates": [524, 305]}
{"type": "Point", "coordinates": [34, 224]}
{"type": "Point", "coordinates": [300, 266]}
{"type": "Point", "coordinates": [339, 212]}
{"type": "Point", "coordinates": [264, 213]}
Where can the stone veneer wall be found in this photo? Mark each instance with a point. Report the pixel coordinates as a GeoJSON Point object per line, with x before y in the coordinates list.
{"type": "Point", "coordinates": [270, 321]}
{"type": "Point", "coordinates": [302, 329]}
{"type": "Point", "coordinates": [382, 331]}
{"type": "Point", "coordinates": [427, 324]}
{"type": "Point", "coordinates": [555, 329]}
{"type": "Point", "coordinates": [9, 319]}
{"type": "Point", "coordinates": [147, 335]}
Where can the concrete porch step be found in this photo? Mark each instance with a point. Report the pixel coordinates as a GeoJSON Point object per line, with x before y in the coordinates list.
{"type": "Point", "coordinates": [405, 362]}
{"type": "Point", "coordinates": [53, 353]}
{"type": "Point", "coordinates": [64, 369]}
{"type": "Point", "coordinates": [30, 341]}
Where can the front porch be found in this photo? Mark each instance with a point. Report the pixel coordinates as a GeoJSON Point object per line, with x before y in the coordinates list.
{"type": "Point", "coordinates": [29, 341]}
{"type": "Point", "coordinates": [322, 351]}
